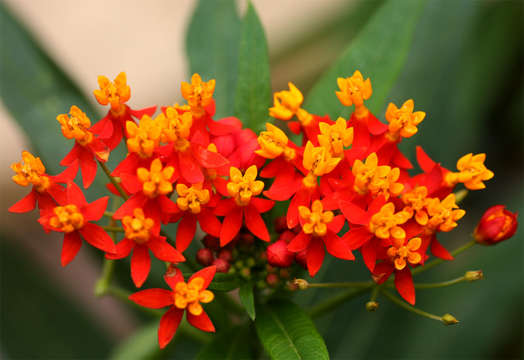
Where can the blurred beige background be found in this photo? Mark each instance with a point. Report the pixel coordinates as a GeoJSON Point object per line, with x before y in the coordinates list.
{"type": "Point", "coordinates": [145, 39]}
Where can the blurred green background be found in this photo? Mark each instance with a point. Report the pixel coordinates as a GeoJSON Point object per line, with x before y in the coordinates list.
{"type": "Point", "coordinates": [464, 68]}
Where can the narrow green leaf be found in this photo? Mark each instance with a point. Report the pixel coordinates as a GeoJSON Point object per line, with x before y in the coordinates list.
{"type": "Point", "coordinates": [35, 91]}
{"type": "Point", "coordinates": [288, 333]}
{"type": "Point", "coordinates": [232, 344]}
{"type": "Point", "coordinates": [253, 93]}
{"type": "Point", "coordinates": [247, 299]}
{"type": "Point", "coordinates": [224, 282]}
{"type": "Point", "coordinates": [212, 43]}
{"type": "Point", "coordinates": [379, 52]}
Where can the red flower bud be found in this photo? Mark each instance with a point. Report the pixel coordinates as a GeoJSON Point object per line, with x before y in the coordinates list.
{"type": "Point", "coordinates": [301, 258]}
{"type": "Point", "coordinates": [226, 255]}
{"type": "Point", "coordinates": [205, 257]}
{"type": "Point", "coordinates": [279, 255]}
{"type": "Point", "coordinates": [211, 242]}
{"type": "Point", "coordinates": [496, 225]}
{"type": "Point", "coordinates": [287, 236]}
{"type": "Point", "coordinates": [222, 265]}
{"type": "Point", "coordinates": [272, 280]}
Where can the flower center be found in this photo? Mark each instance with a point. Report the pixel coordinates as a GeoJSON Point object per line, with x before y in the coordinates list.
{"type": "Point", "coordinates": [31, 171]}
{"type": "Point", "coordinates": [156, 181]}
{"type": "Point", "coordinates": [443, 213]}
{"type": "Point", "coordinates": [198, 94]}
{"type": "Point", "coordinates": [67, 218]}
{"type": "Point", "coordinates": [315, 220]}
{"type": "Point", "coordinates": [76, 126]}
{"type": "Point", "coordinates": [385, 223]}
{"type": "Point", "coordinates": [114, 93]}
{"type": "Point", "coordinates": [138, 227]}
{"type": "Point", "coordinates": [401, 253]}
{"type": "Point", "coordinates": [191, 198]}
{"type": "Point", "coordinates": [190, 295]}
{"type": "Point", "coordinates": [369, 177]}
{"type": "Point", "coordinates": [242, 188]}
{"type": "Point", "coordinates": [145, 137]}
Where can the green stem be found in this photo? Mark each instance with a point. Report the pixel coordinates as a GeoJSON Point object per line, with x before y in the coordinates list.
{"type": "Point", "coordinates": [408, 307]}
{"type": "Point", "coordinates": [336, 301]}
{"type": "Point", "coordinates": [441, 284]}
{"type": "Point", "coordinates": [103, 283]}
{"type": "Point", "coordinates": [436, 262]}
{"type": "Point", "coordinates": [363, 284]}
{"type": "Point", "coordinates": [113, 180]}
{"type": "Point", "coordinates": [109, 214]}
{"type": "Point", "coordinates": [113, 229]}
{"type": "Point", "coordinates": [374, 292]}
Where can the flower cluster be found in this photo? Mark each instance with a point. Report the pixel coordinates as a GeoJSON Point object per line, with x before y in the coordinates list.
{"type": "Point", "coordinates": [346, 183]}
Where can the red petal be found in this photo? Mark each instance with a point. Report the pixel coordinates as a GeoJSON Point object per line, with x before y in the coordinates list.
{"type": "Point", "coordinates": [299, 242]}
{"type": "Point", "coordinates": [166, 205]}
{"type": "Point", "coordinates": [70, 247]}
{"type": "Point", "coordinates": [337, 247]}
{"type": "Point", "coordinates": [356, 237]}
{"type": "Point", "coordinates": [123, 249]}
{"type": "Point", "coordinates": [383, 270]}
{"type": "Point", "coordinates": [255, 224]}
{"type": "Point", "coordinates": [97, 237]}
{"type": "Point", "coordinates": [230, 226]}
{"type": "Point", "coordinates": [130, 183]}
{"type": "Point", "coordinates": [375, 126]}
{"type": "Point", "coordinates": [208, 159]}
{"type": "Point", "coordinates": [424, 161]}
{"type": "Point", "coordinates": [284, 186]}
{"type": "Point", "coordinates": [369, 255]}
{"type": "Point", "coordinates": [209, 223]}
{"type": "Point", "coordinates": [315, 256]}
{"type": "Point", "coordinates": [153, 298]}
{"type": "Point", "coordinates": [26, 204]}
{"type": "Point", "coordinates": [401, 161]}
{"type": "Point", "coordinates": [88, 167]}
{"type": "Point", "coordinates": [71, 157]}
{"type": "Point", "coordinates": [140, 265]}
{"type": "Point", "coordinates": [185, 232]}
{"type": "Point", "coordinates": [168, 325]}
{"type": "Point", "coordinates": [66, 176]}
{"type": "Point", "coordinates": [376, 205]}
{"type": "Point", "coordinates": [141, 112]}
{"type": "Point", "coordinates": [96, 209]}
{"type": "Point", "coordinates": [163, 251]}
{"type": "Point", "coordinates": [172, 279]}
{"type": "Point", "coordinates": [201, 321]}
{"type": "Point", "coordinates": [192, 172]}
{"type": "Point", "coordinates": [103, 128]}
{"type": "Point", "coordinates": [58, 193]}
{"type": "Point", "coordinates": [75, 195]}
{"type": "Point", "coordinates": [440, 251]}
{"type": "Point", "coordinates": [294, 126]}
{"type": "Point", "coordinates": [128, 165]}
{"type": "Point", "coordinates": [337, 224]}
{"type": "Point", "coordinates": [353, 213]}
{"type": "Point", "coordinates": [404, 284]}
{"type": "Point", "coordinates": [221, 186]}
{"type": "Point", "coordinates": [206, 273]}
{"type": "Point", "coordinates": [225, 206]}
{"type": "Point", "coordinates": [262, 205]}
{"type": "Point", "coordinates": [135, 201]}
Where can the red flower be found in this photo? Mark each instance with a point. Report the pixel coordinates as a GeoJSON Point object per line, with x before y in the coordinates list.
{"type": "Point", "coordinates": [140, 237]}
{"type": "Point", "coordinates": [243, 206]}
{"type": "Point", "coordinates": [496, 225]}
{"type": "Point", "coordinates": [73, 217]}
{"type": "Point", "coordinates": [87, 147]}
{"type": "Point", "coordinates": [319, 229]}
{"type": "Point", "coordinates": [182, 296]}
{"type": "Point", "coordinates": [46, 190]}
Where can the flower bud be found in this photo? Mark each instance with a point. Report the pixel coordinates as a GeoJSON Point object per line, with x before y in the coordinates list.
{"type": "Point", "coordinates": [225, 255]}
{"type": "Point", "coordinates": [496, 225]}
{"type": "Point", "coordinates": [473, 275]}
{"type": "Point", "coordinates": [449, 319]}
{"type": "Point", "coordinates": [205, 257]}
{"type": "Point", "coordinates": [287, 236]}
{"type": "Point", "coordinates": [211, 242]}
{"type": "Point", "coordinates": [371, 306]}
{"type": "Point", "coordinates": [279, 255]}
{"type": "Point", "coordinates": [301, 258]}
{"type": "Point", "coordinates": [222, 265]}
{"type": "Point", "coordinates": [301, 284]}
{"type": "Point", "coordinates": [272, 280]}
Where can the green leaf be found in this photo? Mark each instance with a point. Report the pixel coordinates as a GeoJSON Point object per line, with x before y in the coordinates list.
{"type": "Point", "coordinates": [35, 91]}
{"type": "Point", "coordinates": [212, 43]}
{"type": "Point", "coordinates": [228, 345]}
{"type": "Point", "coordinates": [379, 52]}
{"type": "Point", "coordinates": [253, 93]}
{"type": "Point", "coordinates": [143, 344]}
{"type": "Point", "coordinates": [288, 333]}
{"type": "Point", "coordinates": [224, 282]}
{"type": "Point", "coordinates": [247, 299]}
